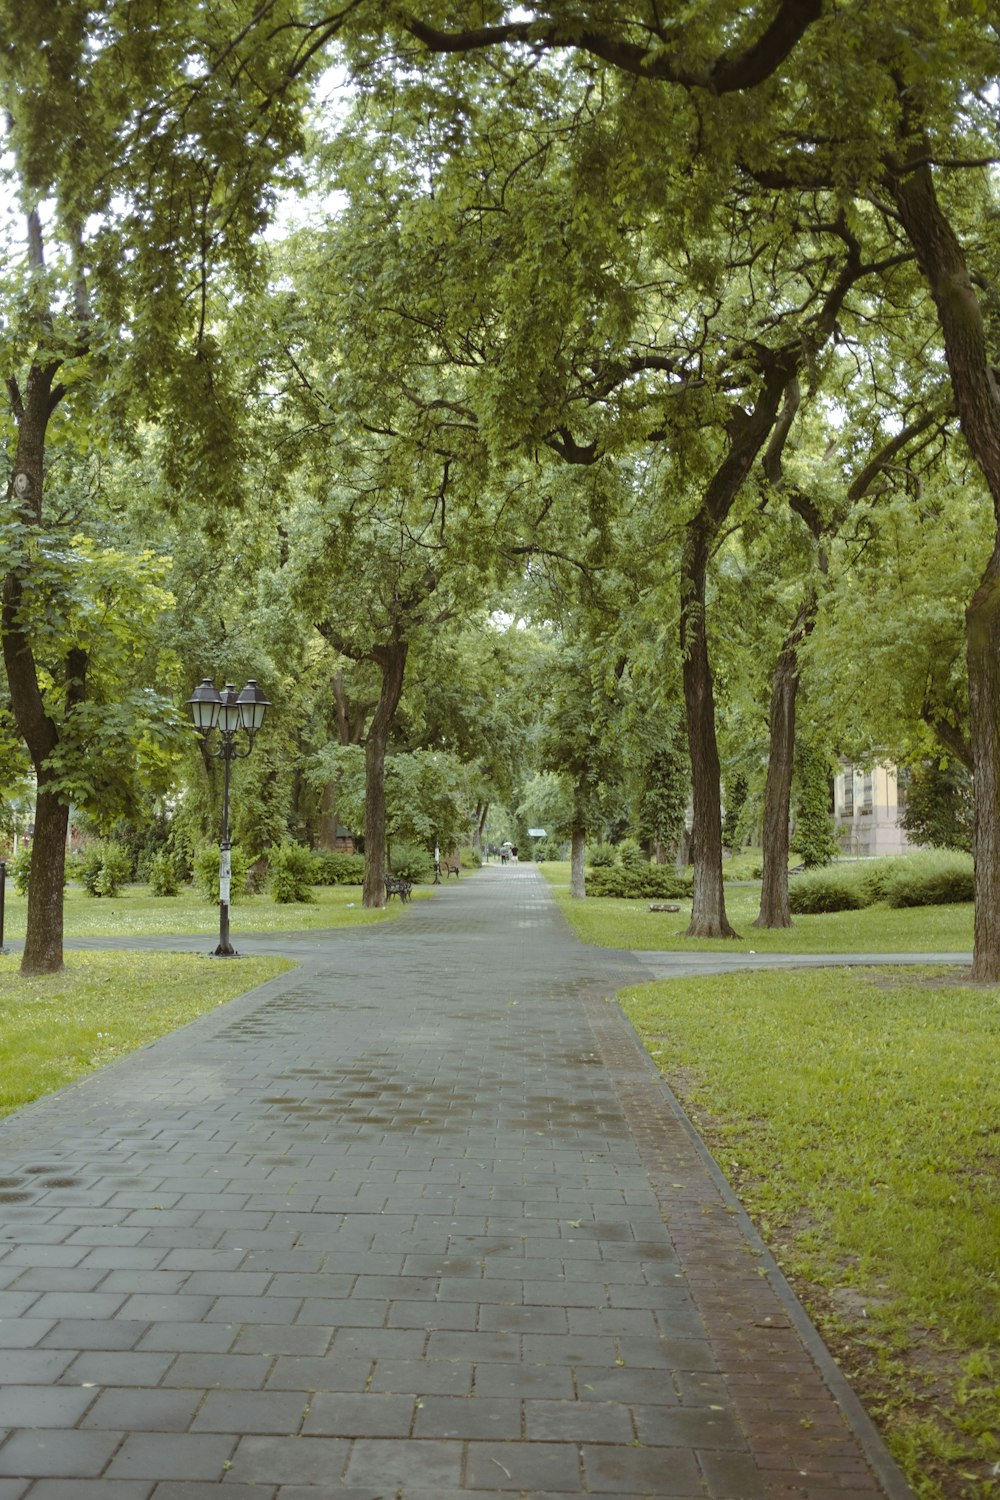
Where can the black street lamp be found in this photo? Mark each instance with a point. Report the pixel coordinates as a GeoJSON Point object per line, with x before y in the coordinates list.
{"type": "Point", "coordinates": [228, 713]}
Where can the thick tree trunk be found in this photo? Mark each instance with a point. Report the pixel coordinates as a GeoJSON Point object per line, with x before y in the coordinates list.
{"type": "Point", "coordinates": [983, 645]}
{"type": "Point", "coordinates": [577, 873]}
{"type": "Point", "coordinates": [977, 398]}
{"type": "Point", "coordinates": [708, 908]}
{"type": "Point", "coordinates": [43, 943]}
{"type": "Point", "coordinates": [43, 946]}
{"type": "Point", "coordinates": [328, 817]}
{"type": "Point", "coordinates": [391, 658]}
{"type": "Point", "coordinates": [774, 911]}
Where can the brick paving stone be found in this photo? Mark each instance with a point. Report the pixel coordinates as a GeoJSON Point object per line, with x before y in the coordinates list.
{"type": "Point", "coordinates": [171, 1455]}
{"type": "Point", "coordinates": [143, 1410]}
{"type": "Point", "coordinates": [34, 1406]}
{"type": "Point", "coordinates": [367, 1415]}
{"type": "Point", "coordinates": [182, 1337]}
{"type": "Point", "coordinates": [33, 1366]}
{"type": "Point", "coordinates": [441, 1243]}
{"type": "Point", "coordinates": [525, 1466]}
{"type": "Point", "coordinates": [251, 1411]}
{"type": "Point", "coordinates": [283, 1461]}
{"type": "Point", "coordinates": [57, 1453]}
{"type": "Point", "coordinates": [91, 1489]}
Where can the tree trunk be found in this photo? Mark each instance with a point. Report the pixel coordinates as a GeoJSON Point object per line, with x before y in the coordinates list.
{"type": "Point", "coordinates": [774, 910]}
{"type": "Point", "coordinates": [328, 817]}
{"type": "Point", "coordinates": [977, 399]}
{"type": "Point", "coordinates": [577, 874]}
{"type": "Point", "coordinates": [391, 658]}
{"type": "Point", "coordinates": [708, 908]}
{"type": "Point", "coordinates": [43, 943]}
{"type": "Point", "coordinates": [983, 645]}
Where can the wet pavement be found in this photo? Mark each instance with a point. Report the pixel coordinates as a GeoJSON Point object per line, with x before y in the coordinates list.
{"type": "Point", "coordinates": [416, 1221]}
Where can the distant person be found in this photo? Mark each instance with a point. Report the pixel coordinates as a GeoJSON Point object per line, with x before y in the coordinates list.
{"type": "Point", "coordinates": [513, 854]}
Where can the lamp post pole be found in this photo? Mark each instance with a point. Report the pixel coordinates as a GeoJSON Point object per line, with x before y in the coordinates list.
{"type": "Point", "coordinates": [228, 713]}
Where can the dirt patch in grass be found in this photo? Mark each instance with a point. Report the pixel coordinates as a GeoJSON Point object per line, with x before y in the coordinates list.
{"type": "Point", "coordinates": [942, 979]}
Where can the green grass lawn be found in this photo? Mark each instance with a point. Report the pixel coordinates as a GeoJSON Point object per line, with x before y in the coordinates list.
{"type": "Point", "coordinates": [611, 923]}
{"type": "Point", "coordinates": [103, 1005]}
{"type": "Point", "coordinates": [857, 1113]}
{"type": "Point", "coordinates": [136, 912]}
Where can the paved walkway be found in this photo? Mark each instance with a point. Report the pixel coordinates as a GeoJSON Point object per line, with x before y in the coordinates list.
{"type": "Point", "coordinates": [417, 1221]}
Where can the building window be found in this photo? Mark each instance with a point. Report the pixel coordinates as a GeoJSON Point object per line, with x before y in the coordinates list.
{"type": "Point", "coordinates": [848, 791]}
{"type": "Point", "coordinates": [866, 795]}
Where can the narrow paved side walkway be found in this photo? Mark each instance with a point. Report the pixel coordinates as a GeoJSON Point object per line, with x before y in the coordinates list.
{"type": "Point", "coordinates": [418, 1221]}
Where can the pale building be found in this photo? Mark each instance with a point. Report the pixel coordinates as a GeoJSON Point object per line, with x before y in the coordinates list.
{"type": "Point", "coordinates": [867, 803]}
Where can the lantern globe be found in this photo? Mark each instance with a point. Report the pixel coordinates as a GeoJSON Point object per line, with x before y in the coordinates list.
{"type": "Point", "coordinates": [253, 706]}
{"type": "Point", "coordinates": [204, 704]}
{"type": "Point", "coordinates": [229, 710]}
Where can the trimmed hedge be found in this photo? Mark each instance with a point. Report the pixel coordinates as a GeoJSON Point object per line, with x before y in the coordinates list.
{"type": "Point", "coordinates": [826, 889]}
{"type": "Point", "coordinates": [655, 882]}
{"type": "Point", "coordinates": [334, 868]}
{"type": "Point", "coordinates": [925, 879]}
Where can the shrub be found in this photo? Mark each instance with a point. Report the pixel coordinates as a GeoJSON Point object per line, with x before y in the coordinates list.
{"type": "Point", "coordinates": [164, 879]}
{"type": "Point", "coordinates": [19, 870]}
{"type": "Point", "coordinates": [410, 862]}
{"type": "Point", "coordinates": [206, 873]}
{"type": "Point", "coordinates": [631, 855]}
{"type": "Point", "coordinates": [827, 889]}
{"type": "Point", "coordinates": [551, 849]}
{"type": "Point", "coordinates": [469, 859]}
{"type": "Point", "coordinates": [651, 882]}
{"type": "Point", "coordinates": [601, 856]}
{"type": "Point", "coordinates": [930, 880]}
{"type": "Point", "coordinates": [330, 867]}
{"type": "Point", "coordinates": [104, 868]}
{"type": "Point", "coordinates": [290, 877]}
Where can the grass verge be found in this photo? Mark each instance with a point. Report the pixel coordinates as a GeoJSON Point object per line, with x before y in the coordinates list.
{"type": "Point", "coordinates": [612, 923]}
{"type": "Point", "coordinates": [856, 1113]}
{"type": "Point", "coordinates": [136, 913]}
{"type": "Point", "coordinates": [102, 1006]}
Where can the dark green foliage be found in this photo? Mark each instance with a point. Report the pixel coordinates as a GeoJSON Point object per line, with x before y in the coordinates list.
{"type": "Point", "coordinates": [469, 859]}
{"type": "Point", "coordinates": [105, 867]}
{"type": "Point", "coordinates": [653, 882]}
{"type": "Point", "coordinates": [19, 871]}
{"type": "Point", "coordinates": [330, 868]}
{"type": "Point", "coordinates": [937, 884]}
{"type": "Point", "coordinates": [164, 879]}
{"type": "Point", "coordinates": [600, 857]}
{"type": "Point", "coordinates": [291, 871]}
{"type": "Point", "coordinates": [814, 839]}
{"type": "Point", "coordinates": [410, 862]}
{"type": "Point", "coordinates": [938, 806]}
{"type": "Point", "coordinates": [631, 855]}
{"type": "Point", "coordinates": [910, 880]}
{"type": "Point", "coordinates": [552, 849]}
{"type": "Point", "coordinates": [737, 790]}
{"type": "Point", "coordinates": [830, 889]}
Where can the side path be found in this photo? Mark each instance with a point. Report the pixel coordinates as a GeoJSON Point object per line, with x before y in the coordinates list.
{"type": "Point", "coordinates": [418, 1221]}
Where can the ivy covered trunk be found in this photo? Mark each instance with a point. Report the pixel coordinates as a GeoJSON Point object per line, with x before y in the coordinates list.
{"type": "Point", "coordinates": [391, 658]}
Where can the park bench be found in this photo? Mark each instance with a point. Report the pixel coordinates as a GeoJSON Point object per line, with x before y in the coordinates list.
{"type": "Point", "coordinates": [394, 886]}
{"type": "Point", "coordinates": [449, 870]}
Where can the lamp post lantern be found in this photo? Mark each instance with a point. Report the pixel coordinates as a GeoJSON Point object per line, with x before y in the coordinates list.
{"type": "Point", "coordinates": [228, 713]}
